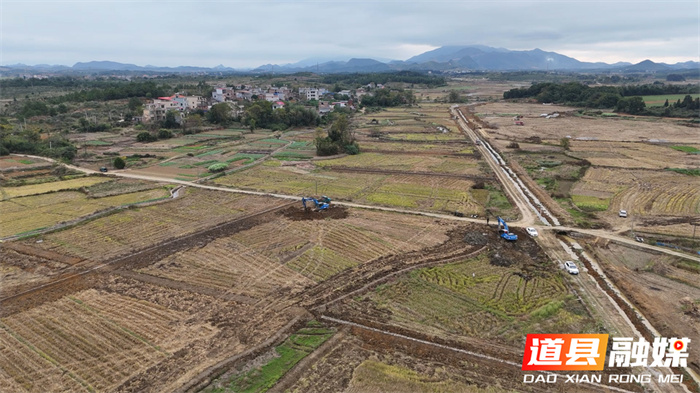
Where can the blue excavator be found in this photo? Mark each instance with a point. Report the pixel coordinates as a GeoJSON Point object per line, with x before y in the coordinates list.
{"type": "Point", "coordinates": [319, 205]}
{"type": "Point", "coordinates": [503, 231]}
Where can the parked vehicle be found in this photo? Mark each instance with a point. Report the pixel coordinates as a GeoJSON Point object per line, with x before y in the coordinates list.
{"type": "Point", "coordinates": [623, 213]}
{"type": "Point", "coordinates": [531, 231]}
{"type": "Point", "coordinates": [103, 169]}
{"type": "Point", "coordinates": [570, 267]}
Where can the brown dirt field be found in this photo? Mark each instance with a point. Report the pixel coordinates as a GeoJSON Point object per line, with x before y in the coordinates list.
{"type": "Point", "coordinates": [662, 292]}
{"type": "Point", "coordinates": [134, 229]}
{"type": "Point", "coordinates": [647, 195]}
{"type": "Point", "coordinates": [552, 130]}
{"type": "Point", "coordinates": [633, 155]}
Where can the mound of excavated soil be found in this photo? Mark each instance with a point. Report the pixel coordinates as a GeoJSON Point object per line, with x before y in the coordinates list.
{"type": "Point", "coordinates": [477, 238]}
{"type": "Point", "coordinates": [299, 214]}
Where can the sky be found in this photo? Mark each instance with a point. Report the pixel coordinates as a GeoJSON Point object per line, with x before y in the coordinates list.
{"type": "Point", "coordinates": [247, 34]}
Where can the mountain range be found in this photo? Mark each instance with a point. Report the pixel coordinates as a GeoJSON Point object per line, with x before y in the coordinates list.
{"type": "Point", "coordinates": [443, 59]}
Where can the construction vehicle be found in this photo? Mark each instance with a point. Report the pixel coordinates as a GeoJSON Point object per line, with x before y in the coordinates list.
{"type": "Point", "coordinates": [504, 232]}
{"type": "Point", "coordinates": [325, 199]}
{"type": "Point", "coordinates": [318, 206]}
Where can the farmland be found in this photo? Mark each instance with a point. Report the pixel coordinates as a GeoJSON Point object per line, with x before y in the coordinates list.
{"type": "Point", "coordinates": [63, 201]}
{"type": "Point", "coordinates": [644, 166]}
{"type": "Point", "coordinates": [406, 148]}
{"type": "Point", "coordinates": [664, 288]}
{"type": "Point", "coordinates": [218, 291]}
{"type": "Point", "coordinates": [659, 100]}
{"type": "Point", "coordinates": [134, 229]}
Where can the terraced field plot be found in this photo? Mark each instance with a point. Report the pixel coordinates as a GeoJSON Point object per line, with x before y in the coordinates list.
{"type": "Point", "coordinates": [90, 341]}
{"type": "Point", "coordinates": [134, 229]}
{"type": "Point", "coordinates": [432, 193]}
{"type": "Point", "coordinates": [633, 155]}
{"type": "Point", "coordinates": [42, 188]}
{"type": "Point", "coordinates": [293, 254]}
{"type": "Point", "coordinates": [408, 162]}
{"type": "Point", "coordinates": [34, 212]}
{"type": "Point", "coordinates": [643, 193]}
{"type": "Point", "coordinates": [641, 129]}
{"type": "Point", "coordinates": [475, 298]}
{"type": "Point", "coordinates": [664, 288]}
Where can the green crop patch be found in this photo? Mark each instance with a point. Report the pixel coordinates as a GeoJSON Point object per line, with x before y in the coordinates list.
{"type": "Point", "coordinates": [590, 202]}
{"type": "Point", "coordinates": [478, 298]}
{"type": "Point", "coordinates": [286, 355]}
{"type": "Point", "coordinates": [686, 149]}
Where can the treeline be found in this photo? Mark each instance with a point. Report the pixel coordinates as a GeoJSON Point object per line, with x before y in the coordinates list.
{"type": "Point", "coordinates": [388, 97]}
{"type": "Point", "coordinates": [260, 114]}
{"type": "Point", "coordinates": [116, 91]}
{"type": "Point", "coordinates": [410, 77]}
{"type": "Point", "coordinates": [30, 142]}
{"type": "Point", "coordinates": [622, 98]}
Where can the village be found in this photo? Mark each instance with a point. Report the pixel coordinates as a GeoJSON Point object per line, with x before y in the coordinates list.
{"type": "Point", "coordinates": [323, 100]}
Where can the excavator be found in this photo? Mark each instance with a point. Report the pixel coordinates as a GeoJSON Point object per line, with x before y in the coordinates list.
{"type": "Point", "coordinates": [321, 205]}
{"type": "Point", "coordinates": [503, 231]}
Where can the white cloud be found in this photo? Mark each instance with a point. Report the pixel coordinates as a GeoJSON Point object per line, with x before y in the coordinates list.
{"type": "Point", "coordinates": [250, 33]}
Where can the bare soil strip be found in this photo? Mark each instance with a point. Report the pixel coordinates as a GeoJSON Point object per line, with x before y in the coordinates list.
{"type": "Point", "coordinates": [168, 283]}
{"type": "Point", "coordinates": [397, 172]}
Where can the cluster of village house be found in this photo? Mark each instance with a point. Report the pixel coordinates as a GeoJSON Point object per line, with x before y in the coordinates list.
{"type": "Point", "coordinates": [236, 96]}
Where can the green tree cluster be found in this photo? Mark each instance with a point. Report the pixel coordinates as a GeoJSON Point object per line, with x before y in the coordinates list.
{"type": "Point", "coordinates": [625, 99]}
{"type": "Point", "coordinates": [339, 139]}
{"type": "Point", "coordinates": [119, 163]}
{"type": "Point", "coordinates": [261, 115]}
{"type": "Point", "coordinates": [30, 142]}
{"type": "Point", "coordinates": [389, 97]}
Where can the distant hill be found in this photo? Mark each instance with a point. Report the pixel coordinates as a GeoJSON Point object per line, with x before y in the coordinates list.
{"type": "Point", "coordinates": [443, 59]}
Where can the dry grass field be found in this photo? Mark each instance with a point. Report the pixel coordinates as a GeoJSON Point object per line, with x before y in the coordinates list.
{"type": "Point", "coordinates": [134, 229]}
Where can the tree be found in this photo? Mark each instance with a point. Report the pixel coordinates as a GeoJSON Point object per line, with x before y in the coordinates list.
{"type": "Point", "coordinates": [170, 120]}
{"type": "Point", "coordinates": [565, 143]}
{"type": "Point", "coordinates": [119, 163]}
{"type": "Point", "coordinates": [675, 78]}
{"type": "Point", "coordinates": [220, 114]}
{"type": "Point", "coordinates": [339, 139]}
{"type": "Point", "coordinates": [631, 105]}
{"type": "Point", "coordinates": [164, 134]}
{"type": "Point", "coordinates": [666, 103]}
{"type": "Point", "coordinates": [146, 137]}
{"type": "Point", "coordinates": [454, 97]}
{"type": "Point", "coordinates": [134, 104]}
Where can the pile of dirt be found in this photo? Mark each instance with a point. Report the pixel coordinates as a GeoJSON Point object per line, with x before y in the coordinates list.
{"type": "Point", "coordinates": [299, 214]}
{"type": "Point", "coordinates": [476, 238]}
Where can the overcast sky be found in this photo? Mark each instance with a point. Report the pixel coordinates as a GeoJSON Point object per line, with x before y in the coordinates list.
{"type": "Point", "coordinates": [252, 33]}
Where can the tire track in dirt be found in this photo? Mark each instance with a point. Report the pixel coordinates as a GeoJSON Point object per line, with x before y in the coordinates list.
{"type": "Point", "coordinates": [56, 289]}
{"type": "Point", "coordinates": [183, 286]}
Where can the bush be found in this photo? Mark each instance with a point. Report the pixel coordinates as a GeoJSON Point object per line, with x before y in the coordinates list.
{"type": "Point", "coordinates": [164, 134]}
{"type": "Point", "coordinates": [146, 137]}
{"type": "Point", "coordinates": [326, 147]}
{"type": "Point", "coordinates": [352, 148]}
{"type": "Point", "coordinates": [119, 163]}
{"type": "Point", "coordinates": [220, 167]}
{"type": "Point", "coordinates": [513, 145]}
